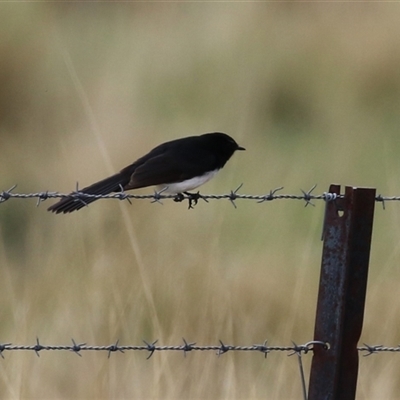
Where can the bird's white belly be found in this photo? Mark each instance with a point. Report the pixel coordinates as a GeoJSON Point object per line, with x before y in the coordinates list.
{"type": "Point", "coordinates": [187, 185]}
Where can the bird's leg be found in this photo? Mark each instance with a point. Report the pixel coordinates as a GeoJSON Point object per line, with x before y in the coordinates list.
{"type": "Point", "coordinates": [193, 198]}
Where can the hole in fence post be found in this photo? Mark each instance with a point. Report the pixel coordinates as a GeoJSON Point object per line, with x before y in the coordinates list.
{"type": "Point", "coordinates": [342, 291]}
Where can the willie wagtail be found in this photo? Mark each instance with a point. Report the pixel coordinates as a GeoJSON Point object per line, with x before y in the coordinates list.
{"type": "Point", "coordinates": [176, 166]}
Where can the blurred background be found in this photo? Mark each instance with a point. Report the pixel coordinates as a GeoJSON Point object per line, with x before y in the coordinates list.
{"type": "Point", "coordinates": [313, 93]}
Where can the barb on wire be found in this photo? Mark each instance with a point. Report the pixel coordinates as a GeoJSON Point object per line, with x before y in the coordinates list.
{"type": "Point", "coordinates": [372, 349]}
{"type": "Point", "coordinates": [263, 348]}
{"type": "Point", "coordinates": [5, 195]}
{"type": "Point", "coordinates": [151, 347]}
{"type": "Point", "coordinates": [187, 347]}
{"type": "Point", "coordinates": [307, 196]}
{"type": "Point", "coordinates": [377, 349]}
{"type": "Point", "coordinates": [223, 349]}
{"type": "Point", "coordinates": [3, 347]}
{"type": "Point", "coordinates": [123, 195]}
{"type": "Point", "coordinates": [114, 347]}
{"type": "Point", "coordinates": [380, 198]}
{"type": "Point", "coordinates": [76, 348]}
{"type": "Point", "coordinates": [37, 347]}
{"type": "Point", "coordinates": [157, 196]}
{"type": "Point", "coordinates": [233, 195]}
{"type": "Point", "coordinates": [271, 195]}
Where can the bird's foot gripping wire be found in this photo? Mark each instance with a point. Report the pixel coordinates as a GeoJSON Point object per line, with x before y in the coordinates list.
{"type": "Point", "coordinates": [193, 198]}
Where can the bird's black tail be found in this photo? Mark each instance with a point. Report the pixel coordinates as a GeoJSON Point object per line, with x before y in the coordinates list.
{"type": "Point", "coordinates": [106, 186]}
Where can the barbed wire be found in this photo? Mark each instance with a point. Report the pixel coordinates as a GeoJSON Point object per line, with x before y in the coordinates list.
{"type": "Point", "coordinates": [186, 347]}
{"type": "Point", "coordinates": [193, 198]}
{"type": "Point", "coordinates": [151, 347]}
{"type": "Point", "coordinates": [221, 348]}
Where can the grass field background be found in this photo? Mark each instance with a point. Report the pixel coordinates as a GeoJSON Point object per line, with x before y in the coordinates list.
{"type": "Point", "coordinates": [313, 93]}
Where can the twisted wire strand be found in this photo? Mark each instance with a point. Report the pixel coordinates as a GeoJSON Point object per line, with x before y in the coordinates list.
{"type": "Point", "coordinates": [152, 347]}
{"type": "Point", "coordinates": [157, 197]}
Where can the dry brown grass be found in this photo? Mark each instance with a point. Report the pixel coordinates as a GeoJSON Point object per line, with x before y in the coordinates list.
{"type": "Point", "coordinates": [312, 92]}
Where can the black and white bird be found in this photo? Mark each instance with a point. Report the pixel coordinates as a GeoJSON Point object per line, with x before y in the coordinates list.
{"type": "Point", "coordinates": [175, 167]}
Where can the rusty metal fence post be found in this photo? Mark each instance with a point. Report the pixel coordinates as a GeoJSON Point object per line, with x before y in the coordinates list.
{"type": "Point", "coordinates": [342, 291]}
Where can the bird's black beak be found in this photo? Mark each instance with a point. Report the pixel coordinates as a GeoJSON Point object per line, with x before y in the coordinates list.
{"type": "Point", "coordinates": [240, 148]}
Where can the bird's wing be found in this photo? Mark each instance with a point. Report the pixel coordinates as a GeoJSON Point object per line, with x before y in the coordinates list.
{"type": "Point", "coordinates": [163, 169]}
